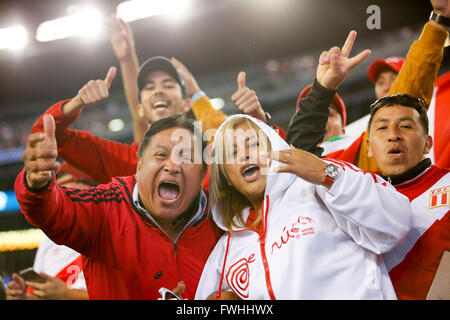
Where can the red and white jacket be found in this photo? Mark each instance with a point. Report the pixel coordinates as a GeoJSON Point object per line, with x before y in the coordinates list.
{"type": "Point", "coordinates": [315, 243]}
{"type": "Point", "coordinates": [60, 262]}
{"type": "Point", "coordinates": [413, 264]}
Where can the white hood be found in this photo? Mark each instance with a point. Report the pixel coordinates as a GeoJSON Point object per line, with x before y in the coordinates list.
{"type": "Point", "coordinates": [276, 182]}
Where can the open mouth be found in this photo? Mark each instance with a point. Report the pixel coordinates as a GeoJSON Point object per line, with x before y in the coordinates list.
{"type": "Point", "coordinates": [250, 172]}
{"type": "Point", "coordinates": [168, 191]}
{"type": "Point", "coordinates": [395, 152]}
{"type": "Point", "coordinates": [160, 104]}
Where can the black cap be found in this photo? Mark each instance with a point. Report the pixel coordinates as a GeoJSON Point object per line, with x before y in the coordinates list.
{"type": "Point", "coordinates": [160, 63]}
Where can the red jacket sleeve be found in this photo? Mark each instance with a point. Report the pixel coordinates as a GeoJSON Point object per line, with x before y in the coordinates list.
{"type": "Point", "coordinates": [100, 158]}
{"type": "Point", "coordinates": [68, 216]}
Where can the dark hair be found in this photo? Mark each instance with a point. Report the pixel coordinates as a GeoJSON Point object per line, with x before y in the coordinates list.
{"type": "Point", "coordinates": [404, 100]}
{"type": "Point", "coordinates": [178, 120]}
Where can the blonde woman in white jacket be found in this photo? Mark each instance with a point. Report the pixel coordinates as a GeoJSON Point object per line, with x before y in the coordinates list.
{"type": "Point", "coordinates": [294, 231]}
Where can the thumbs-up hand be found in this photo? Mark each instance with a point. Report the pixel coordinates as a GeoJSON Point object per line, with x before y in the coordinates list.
{"type": "Point", "coordinates": [92, 92]}
{"type": "Point", "coordinates": [247, 100]}
{"type": "Point", "coordinates": [40, 155]}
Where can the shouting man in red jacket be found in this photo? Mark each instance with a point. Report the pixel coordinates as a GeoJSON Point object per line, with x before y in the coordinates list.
{"type": "Point", "coordinates": [137, 233]}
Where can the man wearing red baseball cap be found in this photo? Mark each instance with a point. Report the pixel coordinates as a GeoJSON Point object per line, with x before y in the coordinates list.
{"type": "Point", "coordinates": [337, 118]}
{"type": "Point", "coordinates": [383, 72]}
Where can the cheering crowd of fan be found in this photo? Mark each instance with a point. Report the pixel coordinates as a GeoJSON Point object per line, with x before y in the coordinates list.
{"type": "Point", "coordinates": [212, 206]}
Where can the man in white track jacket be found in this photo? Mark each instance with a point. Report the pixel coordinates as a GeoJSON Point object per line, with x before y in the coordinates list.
{"type": "Point", "coordinates": [315, 242]}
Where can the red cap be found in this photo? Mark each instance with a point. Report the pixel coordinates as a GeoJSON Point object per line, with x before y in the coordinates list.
{"type": "Point", "coordinates": [337, 101]}
{"type": "Point", "coordinates": [394, 63]}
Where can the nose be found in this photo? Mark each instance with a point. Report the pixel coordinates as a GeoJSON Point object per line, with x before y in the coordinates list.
{"type": "Point", "coordinates": [172, 166]}
{"type": "Point", "coordinates": [394, 134]}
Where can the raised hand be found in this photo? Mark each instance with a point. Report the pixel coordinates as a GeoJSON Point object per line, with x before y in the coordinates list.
{"type": "Point", "coordinates": [52, 289]}
{"type": "Point", "coordinates": [335, 64]}
{"type": "Point", "coordinates": [40, 155]}
{"type": "Point", "coordinates": [441, 7]}
{"type": "Point", "coordinates": [301, 163]}
{"type": "Point", "coordinates": [247, 100]}
{"type": "Point", "coordinates": [91, 92]}
{"type": "Point", "coordinates": [191, 84]}
{"type": "Point", "coordinates": [121, 38]}
{"type": "Point", "coordinates": [16, 289]}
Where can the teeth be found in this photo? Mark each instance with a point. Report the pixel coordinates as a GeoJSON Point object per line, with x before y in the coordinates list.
{"type": "Point", "coordinates": [171, 182]}
{"type": "Point", "coordinates": [160, 104]}
{"type": "Point", "coordinates": [249, 168]}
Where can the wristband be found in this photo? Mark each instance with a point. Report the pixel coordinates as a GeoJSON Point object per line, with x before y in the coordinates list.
{"type": "Point", "coordinates": [445, 21]}
{"type": "Point", "coordinates": [197, 95]}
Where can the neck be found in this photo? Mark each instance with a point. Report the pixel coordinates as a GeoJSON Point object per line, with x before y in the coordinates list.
{"type": "Point", "coordinates": [408, 174]}
{"type": "Point", "coordinates": [172, 228]}
{"type": "Point", "coordinates": [257, 203]}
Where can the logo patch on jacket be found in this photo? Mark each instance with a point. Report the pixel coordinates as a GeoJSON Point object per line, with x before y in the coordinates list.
{"type": "Point", "coordinates": [302, 227]}
{"type": "Point", "coordinates": [439, 197]}
{"type": "Point", "coordinates": [238, 276]}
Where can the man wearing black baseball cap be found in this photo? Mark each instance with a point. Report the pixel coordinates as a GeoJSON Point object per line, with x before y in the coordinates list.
{"type": "Point", "coordinates": [163, 92]}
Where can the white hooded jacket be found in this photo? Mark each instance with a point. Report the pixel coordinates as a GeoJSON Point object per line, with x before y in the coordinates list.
{"type": "Point", "coordinates": [316, 243]}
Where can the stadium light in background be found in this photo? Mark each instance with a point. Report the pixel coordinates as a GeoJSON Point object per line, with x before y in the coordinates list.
{"type": "Point", "coordinates": [13, 37]}
{"type": "Point", "coordinates": [139, 9]}
{"type": "Point", "coordinates": [217, 103]}
{"type": "Point", "coordinates": [116, 125]}
{"type": "Point", "coordinates": [86, 22]}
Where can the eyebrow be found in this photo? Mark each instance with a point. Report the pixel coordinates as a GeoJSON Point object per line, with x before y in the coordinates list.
{"type": "Point", "coordinates": [388, 120]}
{"type": "Point", "coordinates": [164, 81]}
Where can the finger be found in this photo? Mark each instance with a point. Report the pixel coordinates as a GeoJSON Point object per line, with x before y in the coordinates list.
{"type": "Point", "coordinates": [348, 45]}
{"type": "Point", "coordinates": [14, 294]}
{"type": "Point", "coordinates": [179, 289]}
{"type": "Point", "coordinates": [239, 93]}
{"type": "Point", "coordinates": [249, 109]}
{"type": "Point", "coordinates": [249, 96]}
{"type": "Point", "coordinates": [18, 280]}
{"type": "Point", "coordinates": [241, 80]}
{"type": "Point", "coordinates": [49, 127]}
{"type": "Point", "coordinates": [334, 50]}
{"type": "Point", "coordinates": [35, 138]}
{"type": "Point", "coordinates": [286, 168]}
{"type": "Point", "coordinates": [43, 154]}
{"type": "Point", "coordinates": [359, 58]}
{"type": "Point", "coordinates": [94, 89]}
{"type": "Point", "coordinates": [110, 76]}
{"type": "Point", "coordinates": [36, 285]}
{"type": "Point", "coordinates": [102, 89]}
{"type": "Point", "coordinates": [87, 97]}
{"type": "Point", "coordinates": [123, 25]}
{"type": "Point", "coordinates": [281, 156]}
{"type": "Point", "coordinates": [176, 63]}
{"type": "Point", "coordinates": [335, 60]}
{"type": "Point", "coordinates": [111, 26]}
{"type": "Point", "coordinates": [38, 293]}
{"type": "Point", "coordinates": [41, 166]}
{"type": "Point", "coordinates": [322, 58]}
{"type": "Point", "coordinates": [46, 276]}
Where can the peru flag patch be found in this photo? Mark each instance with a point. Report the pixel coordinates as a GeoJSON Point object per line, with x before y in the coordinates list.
{"type": "Point", "coordinates": [439, 197]}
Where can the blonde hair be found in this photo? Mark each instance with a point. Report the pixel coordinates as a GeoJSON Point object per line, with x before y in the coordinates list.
{"type": "Point", "coordinates": [227, 199]}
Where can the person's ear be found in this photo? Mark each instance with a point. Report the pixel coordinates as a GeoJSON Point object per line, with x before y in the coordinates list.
{"type": "Point", "coordinates": [369, 149]}
{"type": "Point", "coordinates": [428, 144]}
{"type": "Point", "coordinates": [139, 166]}
{"type": "Point", "coordinates": [140, 110]}
{"type": "Point", "coordinates": [186, 105]}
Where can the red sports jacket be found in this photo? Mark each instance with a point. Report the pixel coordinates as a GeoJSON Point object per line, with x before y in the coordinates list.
{"type": "Point", "coordinates": [123, 253]}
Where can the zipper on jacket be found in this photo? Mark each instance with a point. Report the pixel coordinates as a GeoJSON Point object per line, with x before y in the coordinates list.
{"type": "Point", "coordinates": [175, 250]}
{"type": "Point", "coordinates": [262, 246]}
